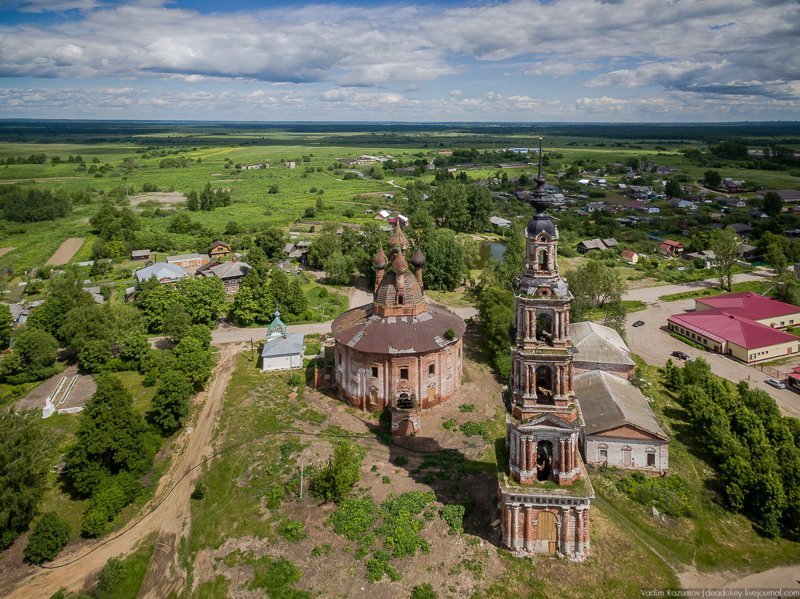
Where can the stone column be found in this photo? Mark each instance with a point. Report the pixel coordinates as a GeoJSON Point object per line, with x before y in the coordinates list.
{"type": "Point", "coordinates": [566, 545]}
{"type": "Point", "coordinates": [506, 525]}
{"type": "Point", "coordinates": [562, 462]}
{"type": "Point", "coordinates": [528, 528]}
{"type": "Point", "coordinates": [515, 526]}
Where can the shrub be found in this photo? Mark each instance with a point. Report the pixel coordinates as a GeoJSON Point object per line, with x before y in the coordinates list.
{"type": "Point", "coordinates": [111, 575]}
{"type": "Point", "coordinates": [337, 479]}
{"type": "Point", "coordinates": [423, 591]}
{"type": "Point", "coordinates": [292, 530]}
{"type": "Point", "coordinates": [401, 460]}
{"type": "Point", "coordinates": [453, 515]}
{"type": "Point", "coordinates": [48, 538]}
{"type": "Point", "coordinates": [473, 429]}
{"type": "Point", "coordinates": [113, 494]}
{"type": "Point", "coordinates": [668, 494]}
{"type": "Point", "coordinates": [466, 408]}
{"type": "Point", "coordinates": [449, 424]}
{"type": "Point", "coordinates": [199, 491]}
{"type": "Point", "coordinates": [354, 518]}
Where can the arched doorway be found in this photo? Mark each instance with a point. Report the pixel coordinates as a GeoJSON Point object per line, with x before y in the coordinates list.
{"type": "Point", "coordinates": [547, 530]}
{"type": "Point", "coordinates": [406, 428]}
{"type": "Point", "coordinates": [544, 327]}
{"type": "Point", "coordinates": [544, 460]}
{"type": "Point", "coordinates": [544, 385]}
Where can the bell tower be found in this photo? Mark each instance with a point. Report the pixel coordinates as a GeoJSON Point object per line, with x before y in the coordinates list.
{"type": "Point", "coordinates": [543, 429]}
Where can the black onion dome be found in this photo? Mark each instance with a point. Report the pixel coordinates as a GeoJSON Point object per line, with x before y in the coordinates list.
{"type": "Point", "coordinates": [541, 222]}
{"type": "Point", "coordinates": [418, 259]}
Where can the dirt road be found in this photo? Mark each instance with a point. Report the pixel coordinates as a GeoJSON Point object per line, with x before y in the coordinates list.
{"type": "Point", "coordinates": [65, 251]}
{"type": "Point", "coordinates": [167, 514]}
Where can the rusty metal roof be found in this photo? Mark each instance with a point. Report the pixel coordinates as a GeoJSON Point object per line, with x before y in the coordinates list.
{"type": "Point", "coordinates": [364, 331]}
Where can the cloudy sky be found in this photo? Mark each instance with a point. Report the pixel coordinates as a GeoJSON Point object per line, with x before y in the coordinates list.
{"type": "Point", "coordinates": [520, 60]}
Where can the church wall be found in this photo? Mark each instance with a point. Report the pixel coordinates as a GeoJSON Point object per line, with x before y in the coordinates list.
{"type": "Point", "coordinates": [638, 452]}
{"type": "Point", "coordinates": [357, 386]}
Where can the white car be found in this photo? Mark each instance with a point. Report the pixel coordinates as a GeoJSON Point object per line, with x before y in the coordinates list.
{"type": "Point", "coordinates": [776, 383]}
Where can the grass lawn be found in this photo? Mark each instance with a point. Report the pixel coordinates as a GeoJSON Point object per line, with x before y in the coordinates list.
{"type": "Point", "coordinates": [754, 286]}
{"type": "Point", "coordinates": [129, 573]}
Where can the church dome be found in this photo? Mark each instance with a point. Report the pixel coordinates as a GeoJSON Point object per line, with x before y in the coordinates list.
{"type": "Point", "coordinates": [418, 259]}
{"type": "Point", "coordinates": [541, 222]}
{"type": "Point", "coordinates": [398, 238]}
{"type": "Point", "coordinates": [399, 263]}
{"type": "Point", "coordinates": [379, 259]}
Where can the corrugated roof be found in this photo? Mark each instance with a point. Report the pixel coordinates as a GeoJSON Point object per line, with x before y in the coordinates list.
{"type": "Point", "coordinates": [161, 271]}
{"type": "Point", "coordinates": [596, 343]}
{"type": "Point", "coordinates": [721, 326]}
{"type": "Point", "coordinates": [290, 345]}
{"type": "Point", "coordinates": [364, 331]}
{"type": "Point", "coordinates": [229, 270]}
{"type": "Point", "coordinates": [608, 402]}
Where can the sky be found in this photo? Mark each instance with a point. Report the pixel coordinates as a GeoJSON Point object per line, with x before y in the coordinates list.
{"type": "Point", "coordinates": [515, 61]}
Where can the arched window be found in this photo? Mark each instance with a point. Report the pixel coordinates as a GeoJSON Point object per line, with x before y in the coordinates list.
{"type": "Point", "coordinates": [404, 401]}
{"type": "Point", "coordinates": [602, 453]}
{"type": "Point", "coordinates": [544, 326]}
{"type": "Point", "coordinates": [399, 299]}
{"type": "Point", "coordinates": [544, 460]}
{"type": "Point", "coordinates": [542, 261]}
{"type": "Point", "coordinates": [544, 385]}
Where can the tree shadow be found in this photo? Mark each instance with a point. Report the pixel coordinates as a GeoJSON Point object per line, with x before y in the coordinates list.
{"type": "Point", "coordinates": [453, 477]}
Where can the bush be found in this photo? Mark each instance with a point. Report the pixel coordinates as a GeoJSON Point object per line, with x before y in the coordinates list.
{"type": "Point", "coordinates": [337, 479]}
{"type": "Point", "coordinates": [292, 530]}
{"type": "Point", "coordinates": [453, 515]}
{"type": "Point", "coordinates": [48, 538]}
{"type": "Point", "coordinates": [354, 518]}
{"type": "Point", "coordinates": [111, 575]}
{"type": "Point", "coordinates": [466, 408]}
{"type": "Point", "coordinates": [199, 491]}
{"type": "Point", "coordinates": [113, 494]}
{"type": "Point", "coordinates": [668, 494]}
{"type": "Point", "coordinates": [474, 429]}
{"type": "Point", "coordinates": [423, 591]}
{"type": "Point", "coordinates": [400, 460]}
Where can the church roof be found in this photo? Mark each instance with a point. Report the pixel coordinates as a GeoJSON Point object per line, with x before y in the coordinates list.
{"type": "Point", "coordinates": [598, 344]}
{"type": "Point", "coordinates": [363, 330]}
{"type": "Point", "coordinates": [392, 283]}
{"type": "Point", "coordinates": [379, 259]}
{"type": "Point", "coordinates": [291, 345]}
{"type": "Point", "coordinates": [608, 402]}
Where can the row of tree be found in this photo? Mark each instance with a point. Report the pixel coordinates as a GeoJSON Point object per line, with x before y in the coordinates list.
{"type": "Point", "coordinates": [755, 450]}
{"type": "Point", "coordinates": [25, 205]}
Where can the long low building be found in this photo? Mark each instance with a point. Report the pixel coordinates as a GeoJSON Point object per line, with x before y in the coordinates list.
{"type": "Point", "coordinates": [620, 429]}
{"type": "Point", "coordinates": [746, 326]}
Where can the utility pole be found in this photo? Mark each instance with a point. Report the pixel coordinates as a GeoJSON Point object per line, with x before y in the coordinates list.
{"type": "Point", "coordinates": [301, 480]}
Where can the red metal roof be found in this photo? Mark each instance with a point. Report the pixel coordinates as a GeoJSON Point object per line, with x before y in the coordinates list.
{"type": "Point", "coordinates": [749, 305]}
{"type": "Point", "coordinates": [721, 326]}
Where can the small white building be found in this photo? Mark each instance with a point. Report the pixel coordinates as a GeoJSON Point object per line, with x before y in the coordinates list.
{"type": "Point", "coordinates": [620, 427]}
{"type": "Point", "coordinates": [282, 350]}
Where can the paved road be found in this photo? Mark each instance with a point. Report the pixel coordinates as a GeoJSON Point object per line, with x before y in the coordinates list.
{"type": "Point", "coordinates": [655, 345]}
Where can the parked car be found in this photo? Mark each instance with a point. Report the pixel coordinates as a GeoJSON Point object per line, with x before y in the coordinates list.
{"type": "Point", "coordinates": [681, 355]}
{"type": "Point", "coordinates": [776, 383]}
{"type": "Point", "coordinates": [638, 323]}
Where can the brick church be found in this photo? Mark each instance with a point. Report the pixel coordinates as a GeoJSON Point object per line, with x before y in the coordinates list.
{"type": "Point", "coordinates": [399, 351]}
{"type": "Point", "coordinates": [545, 493]}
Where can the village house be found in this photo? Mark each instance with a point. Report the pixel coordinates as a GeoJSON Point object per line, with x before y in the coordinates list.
{"type": "Point", "coordinates": [188, 262]}
{"type": "Point", "coordinates": [219, 249]}
{"type": "Point", "coordinates": [163, 272]}
{"type": "Point", "coordinates": [141, 255]}
{"type": "Point", "coordinates": [629, 256]}
{"type": "Point", "coordinates": [670, 248]}
{"type": "Point", "coordinates": [230, 273]}
{"type": "Point", "coordinates": [590, 245]}
{"type": "Point", "coordinates": [499, 222]}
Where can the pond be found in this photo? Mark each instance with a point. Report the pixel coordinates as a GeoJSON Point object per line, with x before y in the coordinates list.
{"type": "Point", "coordinates": [491, 249]}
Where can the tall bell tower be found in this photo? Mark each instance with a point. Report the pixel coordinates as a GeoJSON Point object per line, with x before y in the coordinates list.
{"type": "Point", "coordinates": [545, 493]}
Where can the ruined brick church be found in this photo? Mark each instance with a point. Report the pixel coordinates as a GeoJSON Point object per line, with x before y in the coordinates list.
{"type": "Point", "coordinates": [545, 493]}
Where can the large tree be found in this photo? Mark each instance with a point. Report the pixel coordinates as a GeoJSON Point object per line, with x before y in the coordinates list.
{"type": "Point", "coordinates": [203, 297]}
{"type": "Point", "coordinates": [450, 207]}
{"type": "Point", "coordinates": [6, 323]}
{"type": "Point", "coordinates": [444, 266]}
{"type": "Point", "coordinates": [24, 460]}
{"type": "Point", "coordinates": [171, 403]}
{"type": "Point", "coordinates": [727, 248]}
{"type": "Point", "coordinates": [272, 242]}
{"type": "Point", "coordinates": [712, 178]}
{"type": "Point", "coordinates": [111, 438]}
{"type": "Point", "coordinates": [772, 203]}
{"type": "Point", "coordinates": [594, 285]}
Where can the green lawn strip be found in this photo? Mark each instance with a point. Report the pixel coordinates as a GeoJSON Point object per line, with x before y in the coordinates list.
{"type": "Point", "coordinates": [754, 286]}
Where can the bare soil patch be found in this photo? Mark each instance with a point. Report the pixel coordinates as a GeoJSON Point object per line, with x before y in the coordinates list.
{"type": "Point", "coordinates": [65, 251]}
{"type": "Point", "coordinates": [162, 197]}
{"type": "Point", "coordinates": [81, 391]}
{"type": "Point", "coordinates": [5, 250]}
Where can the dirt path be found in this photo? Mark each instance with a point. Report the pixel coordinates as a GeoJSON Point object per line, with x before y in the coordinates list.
{"type": "Point", "coordinates": [65, 251]}
{"type": "Point", "coordinates": [5, 250]}
{"type": "Point", "coordinates": [786, 577]}
{"type": "Point", "coordinates": [167, 514]}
